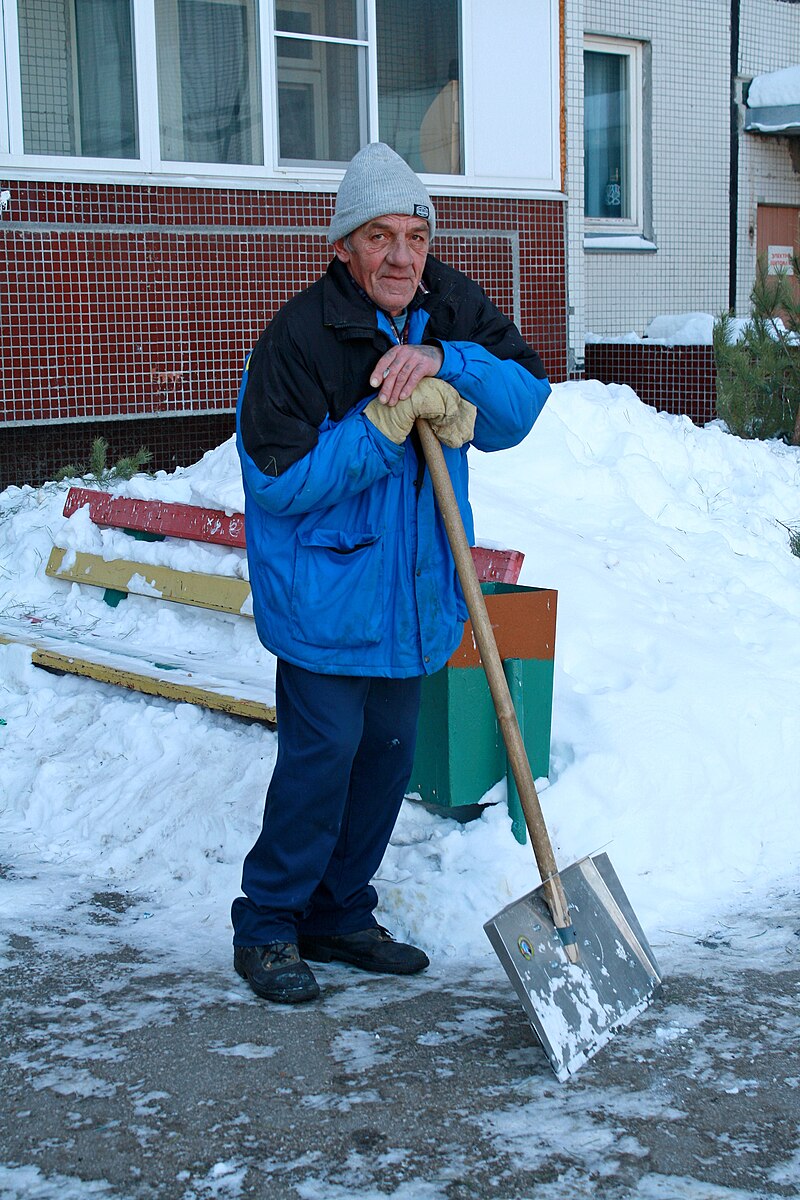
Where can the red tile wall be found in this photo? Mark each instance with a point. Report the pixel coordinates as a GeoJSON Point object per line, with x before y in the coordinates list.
{"type": "Point", "coordinates": [122, 301]}
{"type": "Point", "coordinates": [674, 379]}
{"type": "Point", "coordinates": [120, 304]}
{"type": "Point", "coordinates": [33, 454]}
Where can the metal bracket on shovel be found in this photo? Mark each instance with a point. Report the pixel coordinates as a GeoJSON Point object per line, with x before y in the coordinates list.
{"type": "Point", "coordinates": [581, 966]}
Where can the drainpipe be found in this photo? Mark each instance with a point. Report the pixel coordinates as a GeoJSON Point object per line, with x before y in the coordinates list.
{"type": "Point", "coordinates": [733, 232]}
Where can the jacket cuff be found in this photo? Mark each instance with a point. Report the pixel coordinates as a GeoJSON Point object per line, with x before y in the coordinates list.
{"type": "Point", "coordinates": [453, 366]}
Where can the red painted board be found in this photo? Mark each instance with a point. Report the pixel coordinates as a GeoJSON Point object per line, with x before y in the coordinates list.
{"type": "Point", "coordinates": [210, 525]}
{"type": "Point", "coordinates": [497, 566]}
{"type": "Point", "coordinates": [158, 516]}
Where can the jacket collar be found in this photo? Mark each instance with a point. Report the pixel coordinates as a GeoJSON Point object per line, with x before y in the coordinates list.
{"type": "Point", "coordinates": [349, 310]}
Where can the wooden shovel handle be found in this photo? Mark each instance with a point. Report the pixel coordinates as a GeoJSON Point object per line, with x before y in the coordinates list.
{"type": "Point", "coordinates": [498, 686]}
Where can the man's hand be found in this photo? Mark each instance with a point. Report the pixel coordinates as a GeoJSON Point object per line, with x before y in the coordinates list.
{"type": "Point", "coordinates": [452, 418]}
{"type": "Point", "coordinates": [400, 369]}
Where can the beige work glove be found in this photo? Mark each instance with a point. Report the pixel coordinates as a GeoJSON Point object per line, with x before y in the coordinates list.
{"type": "Point", "coordinates": [451, 417]}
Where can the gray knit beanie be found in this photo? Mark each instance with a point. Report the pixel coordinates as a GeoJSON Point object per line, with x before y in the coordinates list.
{"type": "Point", "coordinates": [378, 183]}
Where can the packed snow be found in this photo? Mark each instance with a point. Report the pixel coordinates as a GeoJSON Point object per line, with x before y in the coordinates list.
{"type": "Point", "coordinates": [687, 329]}
{"type": "Point", "coordinates": [775, 88]}
{"type": "Point", "coordinates": [676, 719]}
{"type": "Point", "coordinates": [672, 329]}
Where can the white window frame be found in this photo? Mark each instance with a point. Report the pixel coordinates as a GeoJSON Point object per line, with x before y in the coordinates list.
{"type": "Point", "coordinates": [4, 90]}
{"type": "Point", "coordinates": [12, 108]}
{"type": "Point", "coordinates": [149, 164]}
{"type": "Point", "coordinates": [174, 165]}
{"type": "Point", "coordinates": [151, 169]}
{"type": "Point", "coordinates": [634, 224]}
{"type": "Point", "coordinates": [368, 18]}
{"type": "Point", "coordinates": [77, 166]}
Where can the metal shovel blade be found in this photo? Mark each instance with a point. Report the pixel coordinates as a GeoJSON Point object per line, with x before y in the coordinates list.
{"type": "Point", "coordinates": [575, 1008]}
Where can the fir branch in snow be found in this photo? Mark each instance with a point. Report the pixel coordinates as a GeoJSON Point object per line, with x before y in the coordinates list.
{"type": "Point", "coordinates": [97, 470]}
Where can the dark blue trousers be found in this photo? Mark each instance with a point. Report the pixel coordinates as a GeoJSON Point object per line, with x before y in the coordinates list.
{"type": "Point", "coordinates": [345, 753]}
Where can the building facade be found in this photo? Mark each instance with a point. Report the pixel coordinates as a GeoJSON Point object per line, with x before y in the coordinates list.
{"type": "Point", "coordinates": [168, 170]}
{"type": "Point", "coordinates": [768, 182]}
{"type": "Point", "coordinates": [670, 196]}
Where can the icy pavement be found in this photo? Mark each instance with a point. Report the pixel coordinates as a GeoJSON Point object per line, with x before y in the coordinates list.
{"type": "Point", "coordinates": [129, 1076]}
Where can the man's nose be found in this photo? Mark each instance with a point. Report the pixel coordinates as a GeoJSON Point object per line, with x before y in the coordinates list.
{"type": "Point", "coordinates": [400, 252]}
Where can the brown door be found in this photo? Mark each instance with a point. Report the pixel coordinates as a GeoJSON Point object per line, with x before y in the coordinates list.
{"type": "Point", "coordinates": [778, 237]}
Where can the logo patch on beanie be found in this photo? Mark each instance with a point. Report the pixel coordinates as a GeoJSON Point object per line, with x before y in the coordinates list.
{"type": "Point", "coordinates": [422, 210]}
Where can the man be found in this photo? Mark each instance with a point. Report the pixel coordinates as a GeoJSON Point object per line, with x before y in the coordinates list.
{"type": "Point", "coordinates": [354, 586]}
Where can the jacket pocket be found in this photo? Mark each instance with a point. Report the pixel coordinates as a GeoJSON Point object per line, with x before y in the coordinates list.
{"type": "Point", "coordinates": [337, 590]}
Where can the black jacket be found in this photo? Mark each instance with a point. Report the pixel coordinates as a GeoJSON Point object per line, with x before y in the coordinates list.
{"type": "Point", "coordinates": [315, 358]}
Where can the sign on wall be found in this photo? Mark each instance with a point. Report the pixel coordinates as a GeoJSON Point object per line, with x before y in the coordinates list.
{"type": "Point", "coordinates": [779, 259]}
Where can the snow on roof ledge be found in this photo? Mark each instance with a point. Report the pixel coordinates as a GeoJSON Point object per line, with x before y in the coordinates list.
{"type": "Point", "coordinates": [773, 103]}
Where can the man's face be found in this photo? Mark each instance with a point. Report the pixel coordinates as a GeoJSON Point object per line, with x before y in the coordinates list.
{"type": "Point", "coordinates": [386, 258]}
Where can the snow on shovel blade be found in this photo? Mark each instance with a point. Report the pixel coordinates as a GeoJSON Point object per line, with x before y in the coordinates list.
{"type": "Point", "coordinates": [575, 1008]}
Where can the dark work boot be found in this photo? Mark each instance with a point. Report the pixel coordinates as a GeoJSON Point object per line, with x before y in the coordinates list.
{"type": "Point", "coordinates": [372, 949]}
{"type": "Point", "coordinates": [276, 972]}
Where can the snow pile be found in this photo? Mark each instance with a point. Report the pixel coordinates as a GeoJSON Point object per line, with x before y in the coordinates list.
{"type": "Point", "coordinates": [673, 329]}
{"type": "Point", "coordinates": [681, 329]}
{"type": "Point", "coordinates": [688, 329]}
{"type": "Point", "coordinates": [676, 718]}
{"type": "Point", "coordinates": [775, 88]}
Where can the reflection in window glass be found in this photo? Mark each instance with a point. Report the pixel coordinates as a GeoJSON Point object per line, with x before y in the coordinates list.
{"type": "Point", "coordinates": [419, 83]}
{"type": "Point", "coordinates": [320, 113]}
{"type": "Point", "coordinates": [208, 81]}
{"type": "Point", "coordinates": [322, 105]}
{"type": "Point", "coordinates": [76, 62]}
{"type": "Point", "coordinates": [325, 18]}
{"type": "Point", "coordinates": [606, 136]}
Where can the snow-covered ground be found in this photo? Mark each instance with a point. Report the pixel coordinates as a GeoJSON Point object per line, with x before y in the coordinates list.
{"type": "Point", "coordinates": [676, 718]}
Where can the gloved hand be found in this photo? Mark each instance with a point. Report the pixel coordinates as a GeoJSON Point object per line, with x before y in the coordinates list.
{"type": "Point", "coordinates": [451, 417]}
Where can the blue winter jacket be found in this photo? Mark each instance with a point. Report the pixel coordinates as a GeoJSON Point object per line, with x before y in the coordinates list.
{"type": "Point", "coordinates": [350, 568]}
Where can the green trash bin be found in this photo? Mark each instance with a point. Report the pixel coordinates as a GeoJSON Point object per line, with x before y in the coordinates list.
{"type": "Point", "coordinates": [460, 750]}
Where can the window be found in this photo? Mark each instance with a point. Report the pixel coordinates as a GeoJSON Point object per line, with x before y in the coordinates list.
{"type": "Point", "coordinates": [156, 83]}
{"type": "Point", "coordinates": [259, 91]}
{"type": "Point", "coordinates": [77, 78]}
{"type": "Point", "coordinates": [323, 92]}
{"type": "Point", "coordinates": [419, 99]}
{"type": "Point", "coordinates": [321, 80]}
{"type": "Point", "coordinates": [612, 124]}
{"type": "Point", "coordinates": [208, 81]}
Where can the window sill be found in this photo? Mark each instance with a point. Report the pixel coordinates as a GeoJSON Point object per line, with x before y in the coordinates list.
{"type": "Point", "coordinates": [258, 178]}
{"type": "Point", "coordinates": [626, 243]}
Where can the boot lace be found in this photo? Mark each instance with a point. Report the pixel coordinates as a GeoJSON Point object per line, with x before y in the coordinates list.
{"type": "Point", "coordinates": [278, 954]}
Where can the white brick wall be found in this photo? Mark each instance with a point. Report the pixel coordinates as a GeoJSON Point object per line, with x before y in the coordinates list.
{"type": "Point", "coordinates": [769, 40]}
{"type": "Point", "coordinates": [615, 292]}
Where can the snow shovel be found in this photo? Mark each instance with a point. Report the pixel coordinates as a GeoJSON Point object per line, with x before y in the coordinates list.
{"type": "Point", "coordinates": [572, 948]}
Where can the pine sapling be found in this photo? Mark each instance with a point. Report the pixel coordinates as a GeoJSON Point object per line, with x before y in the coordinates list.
{"type": "Point", "coordinates": [758, 375]}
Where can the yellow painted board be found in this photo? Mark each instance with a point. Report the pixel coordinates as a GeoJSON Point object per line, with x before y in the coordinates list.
{"type": "Point", "coordinates": [222, 593]}
{"type": "Point", "coordinates": [167, 688]}
{"type": "Point", "coordinates": [192, 679]}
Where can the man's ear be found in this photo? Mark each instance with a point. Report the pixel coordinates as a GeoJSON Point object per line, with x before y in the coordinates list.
{"type": "Point", "coordinates": [341, 251]}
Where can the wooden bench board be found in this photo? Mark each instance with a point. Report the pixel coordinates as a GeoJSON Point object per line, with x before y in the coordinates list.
{"type": "Point", "coordinates": [179, 678]}
{"type": "Point", "coordinates": [182, 678]}
{"type": "Point", "coordinates": [161, 517]}
{"type": "Point", "coordinates": [189, 521]}
{"type": "Point", "coordinates": [497, 566]}
{"type": "Point", "coordinates": [221, 593]}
